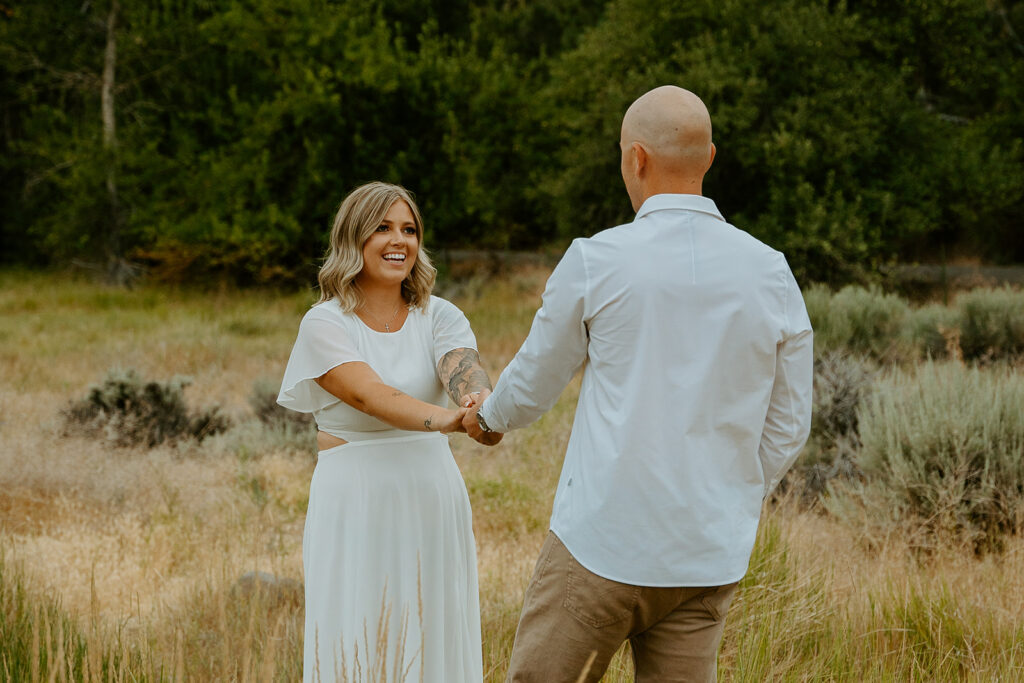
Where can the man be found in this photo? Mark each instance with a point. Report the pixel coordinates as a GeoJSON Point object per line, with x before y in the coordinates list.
{"type": "Point", "coordinates": [696, 398]}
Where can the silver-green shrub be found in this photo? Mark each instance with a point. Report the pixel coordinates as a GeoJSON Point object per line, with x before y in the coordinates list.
{"type": "Point", "coordinates": [934, 330]}
{"type": "Point", "coordinates": [942, 447]}
{"type": "Point", "coordinates": [842, 382]}
{"type": "Point", "coordinates": [858, 320]}
{"type": "Point", "coordinates": [991, 323]}
{"type": "Point", "coordinates": [818, 300]}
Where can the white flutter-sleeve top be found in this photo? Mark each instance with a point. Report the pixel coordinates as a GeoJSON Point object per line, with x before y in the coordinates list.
{"type": "Point", "coordinates": [406, 359]}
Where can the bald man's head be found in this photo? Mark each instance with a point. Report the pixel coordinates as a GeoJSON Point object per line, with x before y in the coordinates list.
{"type": "Point", "coordinates": [672, 129]}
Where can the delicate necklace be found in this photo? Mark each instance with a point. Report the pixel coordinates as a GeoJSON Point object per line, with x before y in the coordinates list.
{"type": "Point", "coordinates": [387, 325]}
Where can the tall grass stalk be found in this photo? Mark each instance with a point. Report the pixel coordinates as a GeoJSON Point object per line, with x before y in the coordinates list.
{"type": "Point", "coordinates": [39, 641]}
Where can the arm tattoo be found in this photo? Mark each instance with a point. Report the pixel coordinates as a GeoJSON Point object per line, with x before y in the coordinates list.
{"type": "Point", "coordinates": [427, 422]}
{"type": "Point", "coordinates": [461, 373]}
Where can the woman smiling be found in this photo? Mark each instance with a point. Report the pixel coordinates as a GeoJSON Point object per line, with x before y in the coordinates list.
{"type": "Point", "coordinates": [388, 550]}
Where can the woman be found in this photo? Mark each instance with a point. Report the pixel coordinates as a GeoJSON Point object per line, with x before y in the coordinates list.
{"type": "Point", "coordinates": [388, 549]}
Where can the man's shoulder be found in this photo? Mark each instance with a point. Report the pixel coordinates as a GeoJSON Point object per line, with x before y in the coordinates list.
{"type": "Point", "coordinates": [608, 236]}
{"type": "Point", "coordinates": [610, 242]}
{"type": "Point", "coordinates": [750, 242]}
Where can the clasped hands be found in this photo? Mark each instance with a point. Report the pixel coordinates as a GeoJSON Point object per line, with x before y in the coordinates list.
{"type": "Point", "coordinates": [472, 403]}
{"type": "Point", "coordinates": [463, 419]}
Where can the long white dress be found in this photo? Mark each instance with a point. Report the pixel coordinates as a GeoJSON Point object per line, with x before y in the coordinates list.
{"type": "Point", "coordinates": [388, 550]}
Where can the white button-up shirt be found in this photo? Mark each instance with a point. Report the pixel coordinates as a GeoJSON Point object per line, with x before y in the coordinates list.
{"type": "Point", "coordinates": [696, 393]}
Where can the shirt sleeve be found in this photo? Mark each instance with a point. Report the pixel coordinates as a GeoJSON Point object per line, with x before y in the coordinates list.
{"type": "Point", "coordinates": [788, 422]}
{"type": "Point", "coordinates": [450, 328]}
{"type": "Point", "coordinates": [552, 353]}
{"type": "Point", "coordinates": [322, 344]}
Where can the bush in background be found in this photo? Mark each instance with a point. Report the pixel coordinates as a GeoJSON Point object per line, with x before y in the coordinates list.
{"type": "Point", "coordinates": [818, 299]}
{"type": "Point", "coordinates": [934, 330]}
{"type": "Point", "coordinates": [982, 324]}
{"type": "Point", "coordinates": [942, 449]}
{"type": "Point", "coordinates": [841, 384]}
{"type": "Point", "coordinates": [991, 323]}
{"type": "Point", "coordinates": [127, 410]}
{"type": "Point", "coordinates": [858, 320]}
{"type": "Point", "coordinates": [263, 401]}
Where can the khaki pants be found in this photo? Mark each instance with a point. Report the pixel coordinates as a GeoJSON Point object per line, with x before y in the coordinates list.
{"type": "Point", "coordinates": [570, 615]}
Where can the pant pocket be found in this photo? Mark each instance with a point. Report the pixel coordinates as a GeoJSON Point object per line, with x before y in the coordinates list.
{"type": "Point", "coordinates": [596, 601]}
{"type": "Point", "coordinates": [717, 601]}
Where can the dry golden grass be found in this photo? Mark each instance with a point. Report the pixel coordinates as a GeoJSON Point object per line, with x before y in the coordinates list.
{"type": "Point", "coordinates": [142, 547]}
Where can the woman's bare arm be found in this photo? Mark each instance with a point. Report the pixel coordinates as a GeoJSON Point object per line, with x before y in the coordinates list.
{"type": "Point", "coordinates": [360, 387]}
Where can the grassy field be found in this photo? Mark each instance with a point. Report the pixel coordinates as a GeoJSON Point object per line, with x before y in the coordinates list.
{"type": "Point", "coordinates": [123, 563]}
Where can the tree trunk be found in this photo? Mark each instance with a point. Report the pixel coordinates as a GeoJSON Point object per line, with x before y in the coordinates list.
{"type": "Point", "coordinates": [118, 270]}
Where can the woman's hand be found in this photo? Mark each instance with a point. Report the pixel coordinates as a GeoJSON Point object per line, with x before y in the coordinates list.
{"type": "Point", "coordinates": [446, 421]}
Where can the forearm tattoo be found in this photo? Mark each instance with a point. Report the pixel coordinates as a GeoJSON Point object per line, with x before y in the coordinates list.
{"type": "Point", "coordinates": [461, 373]}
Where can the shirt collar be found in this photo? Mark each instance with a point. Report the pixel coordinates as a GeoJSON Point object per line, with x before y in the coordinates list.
{"type": "Point", "coordinates": [685, 202]}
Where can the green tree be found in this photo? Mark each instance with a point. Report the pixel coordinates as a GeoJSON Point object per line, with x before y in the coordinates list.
{"type": "Point", "coordinates": [824, 149]}
{"type": "Point", "coordinates": [849, 133]}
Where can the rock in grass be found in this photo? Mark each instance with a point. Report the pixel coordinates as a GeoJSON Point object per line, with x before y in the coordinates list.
{"type": "Point", "coordinates": [272, 590]}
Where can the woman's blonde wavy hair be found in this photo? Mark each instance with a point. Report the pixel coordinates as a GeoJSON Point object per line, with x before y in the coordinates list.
{"type": "Point", "coordinates": [360, 213]}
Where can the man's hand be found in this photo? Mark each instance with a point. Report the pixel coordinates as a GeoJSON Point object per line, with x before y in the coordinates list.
{"type": "Point", "coordinates": [472, 425]}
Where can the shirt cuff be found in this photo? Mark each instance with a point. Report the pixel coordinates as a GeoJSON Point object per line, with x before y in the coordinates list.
{"type": "Point", "coordinates": [490, 417]}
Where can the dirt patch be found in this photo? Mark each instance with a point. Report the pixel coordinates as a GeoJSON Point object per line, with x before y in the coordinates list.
{"type": "Point", "coordinates": [28, 512]}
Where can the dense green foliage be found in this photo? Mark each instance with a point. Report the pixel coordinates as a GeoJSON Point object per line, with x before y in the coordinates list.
{"type": "Point", "coordinates": [848, 133]}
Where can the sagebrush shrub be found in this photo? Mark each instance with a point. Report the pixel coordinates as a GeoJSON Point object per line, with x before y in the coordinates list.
{"type": "Point", "coordinates": [818, 299]}
{"type": "Point", "coordinates": [841, 383]}
{"type": "Point", "coordinates": [263, 401]}
{"type": "Point", "coordinates": [859, 320]}
{"type": "Point", "coordinates": [942, 446]}
{"type": "Point", "coordinates": [934, 330]}
{"type": "Point", "coordinates": [991, 323]}
{"type": "Point", "coordinates": [127, 411]}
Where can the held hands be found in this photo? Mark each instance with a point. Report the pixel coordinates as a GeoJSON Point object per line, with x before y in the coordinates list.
{"type": "Point", "coordinates": [471, 425]}
{"type": "Point", "coordinates": [447, 421]}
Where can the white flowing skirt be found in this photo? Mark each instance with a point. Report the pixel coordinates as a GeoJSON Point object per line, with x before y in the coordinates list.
{"type": "Point", "coordinates": [390, 566]}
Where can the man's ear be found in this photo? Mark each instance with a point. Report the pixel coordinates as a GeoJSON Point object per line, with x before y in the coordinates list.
{"type": "Point", "coordinates": [711, 160]}
{"type": "Point", "coordinates": [639, 159]}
